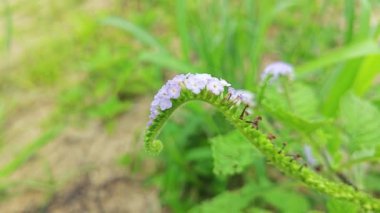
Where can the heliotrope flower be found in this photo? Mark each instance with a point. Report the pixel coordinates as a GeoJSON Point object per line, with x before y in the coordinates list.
{"type": "Point", "coordinates": [173, 89]}
{"type": "Point", "coordinates": [241, 96]}
{"type": "Point", "coordinates": [276, 70]}
{"type": "Point", "coordinates": [215, 86]}
{"type": "Point", "coordinates": [197, 82]}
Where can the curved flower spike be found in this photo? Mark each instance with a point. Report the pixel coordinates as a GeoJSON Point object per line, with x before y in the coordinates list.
{"type": "Point", "coordinates": [203, 87]}
{"type": "Point", "coordinates": [194, 83]}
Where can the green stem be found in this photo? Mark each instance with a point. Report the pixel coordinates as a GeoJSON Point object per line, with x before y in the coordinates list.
{"type": "Point", "coordinates": [280, 159]}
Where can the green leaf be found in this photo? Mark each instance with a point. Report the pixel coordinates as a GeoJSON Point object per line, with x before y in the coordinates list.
{"type": "Point", "coordinates": [369, 69]}
{"type": "Point", "coordinates": [292, 119]}
{"type": "Point", "coordinates": [294, 202]}
{"type": "Point", "coordinates": [296, 106]}
{"type": "Point", "coordinates": [228, 202]}
{"type": "Point", "coordinates": [337, 84]}
{"type": "Point", "coordinates": [350, 19]}
{"type": "Point", "coordinates": [304, 101]}
{"type": "Point", "coordinates": [372, 182]}
{"type": "Point", "coordinates": [365, 20]}
{"type": "Point", "coordinates": [360, 120]}
{"type": "Point", "coordinates": [339, 206]}
{"type": "Point", "coordinates": [231, 153]}
{"type": "Point", "coordinates": [296, 98]}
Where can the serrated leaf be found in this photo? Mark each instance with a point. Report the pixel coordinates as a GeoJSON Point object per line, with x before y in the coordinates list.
{"type": "Point", "coordinates": [231, 153]}
{"type": "Point", "coordinates": [361, 122]}
{"type": "Point", "coordinates": [292, 119]}
{"type": "Point", "coordinates": [297, 107]}
{"type": "Point", "coordinates": [228, 202]}
{"type": "Point", "coordinates": [298, 99]}
{"type": "Point", "coordinates": [304, 101]}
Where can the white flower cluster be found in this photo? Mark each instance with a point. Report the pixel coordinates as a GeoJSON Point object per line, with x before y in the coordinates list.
{"type": "Point", "coordinates": [242, 96]}
{"type": "Point", "coordinates": [277, 69]}
{"type": "Point", "coordinates": [193, 82]}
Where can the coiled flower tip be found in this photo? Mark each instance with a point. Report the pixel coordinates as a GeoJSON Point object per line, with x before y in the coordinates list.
{"type": "Point", "coordinates": [155, 147]}
{"type": "Point", "coordinates": [277, 69]}
{"type": "Point", "coordinates": [194, 83]}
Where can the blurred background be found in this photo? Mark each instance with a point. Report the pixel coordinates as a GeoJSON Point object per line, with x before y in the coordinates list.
{"type": "Point", "coordinates": [77, 78]}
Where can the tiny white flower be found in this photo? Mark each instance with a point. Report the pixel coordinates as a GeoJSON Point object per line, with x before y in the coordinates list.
{"type": "Point", "coordinates": [215, 86]}
{"type": "Point", "coordinates": [165, 104]}
{"type": "Point", "coordinates": [276, 70]}
{"type": "Point", "coordinates": [242, 96]}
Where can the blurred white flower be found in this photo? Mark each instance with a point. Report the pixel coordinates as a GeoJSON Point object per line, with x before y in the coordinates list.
{"type": "Point", "coordinates": [277, 69]}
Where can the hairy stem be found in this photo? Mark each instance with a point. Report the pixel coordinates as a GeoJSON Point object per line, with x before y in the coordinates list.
{"type": "Point", "coordinates": [284, 162]}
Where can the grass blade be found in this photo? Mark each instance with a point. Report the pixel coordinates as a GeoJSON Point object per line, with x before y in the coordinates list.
{"type": "Point", "coordinates": [30, 150]}
{"type": "Point", "coordinates": [369, 69]}
{"type": "Point", "coordinates": [367, 47]}
{"type": "Point", "coordinates": [135, 30]}
{"type": "Point", "coordinates": [350, 19]}
{"type": "Point", "coordinates": [183, 28]}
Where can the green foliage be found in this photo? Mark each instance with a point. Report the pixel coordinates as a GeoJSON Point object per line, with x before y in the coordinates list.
{"type": "Point", "coordinates": [188, 176]}
{"type": "Point", "coordinates": [293, 202]}
{"type": "Point", "coordinates": [111, 81]}
{"type": "Point", "coordinates": [356, 50]}
{"type": "Point", "coordinates": [339, 206]}
{"type": "Point", "coordinates": [231, 153]}
{"type": "Point", "coordinates": [333, 90]}
{"type": "Point", "coordinates": [295, 105]}
{"type": "Point", "coordinates": [231, 201]}
{"type": "Point", "coordinates": [360, 121]}
{"type": "Point", "coordinates": [310, 105]}
{"type": "Point", "coordinates": [251, 195]}
{"type": "Point", "coordinates": [231, 47]}
{"type": "Point", "coordinates": [109, 109]}
{"type": "Point", "coordinates": [368, 70]}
